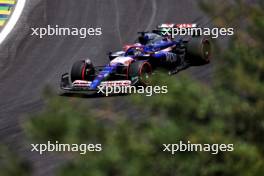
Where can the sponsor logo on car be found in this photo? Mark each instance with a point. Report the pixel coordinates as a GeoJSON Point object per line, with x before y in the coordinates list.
{"type": "Point", "coordinates": [82, 83]}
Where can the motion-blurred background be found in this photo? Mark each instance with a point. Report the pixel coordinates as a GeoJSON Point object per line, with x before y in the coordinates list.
{"type": "Point", "coordinates": [222, 102]}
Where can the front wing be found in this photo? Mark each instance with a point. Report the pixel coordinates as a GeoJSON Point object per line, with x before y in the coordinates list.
{"type": "Point", "coordinates": [84, 86]}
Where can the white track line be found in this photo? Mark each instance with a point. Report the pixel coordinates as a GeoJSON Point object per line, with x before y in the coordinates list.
{"type": "Point", "coordinates": [153, 16]}
{"type": "Point", "coordinates": [13, 20]}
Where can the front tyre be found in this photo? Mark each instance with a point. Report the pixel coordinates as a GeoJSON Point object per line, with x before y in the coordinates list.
{"type": "Point", "coordinates": [82, 70]}
{"type": "Point", "coordinates": [142, 71]}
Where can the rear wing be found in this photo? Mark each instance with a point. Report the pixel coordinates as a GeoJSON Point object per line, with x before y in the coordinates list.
{"type": "Point", "coordinates": [173, 30]}
{"type": "Point", "coordinates": [178, 25]}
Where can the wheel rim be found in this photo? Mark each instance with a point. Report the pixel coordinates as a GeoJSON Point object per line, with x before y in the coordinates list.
{"type": "Point", "coordinates": [206, 50]}
{"type": "Point", "coordinates": [145, 74]}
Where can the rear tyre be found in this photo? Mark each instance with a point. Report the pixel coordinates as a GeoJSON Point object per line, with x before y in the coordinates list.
{"type": "Point", "coordinates": [141, 70]}
{"type": "Point", "coordinates": [82, 70]}
{"type": "Point", "coordinates": [199, 50]}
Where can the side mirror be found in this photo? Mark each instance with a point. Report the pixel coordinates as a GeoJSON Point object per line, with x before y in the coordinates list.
{"type": "Point", "coordinates": [109, 53]}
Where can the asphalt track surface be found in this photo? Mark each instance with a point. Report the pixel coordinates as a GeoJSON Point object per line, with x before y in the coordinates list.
{"type": "Point", "coordinates": [28, 64]}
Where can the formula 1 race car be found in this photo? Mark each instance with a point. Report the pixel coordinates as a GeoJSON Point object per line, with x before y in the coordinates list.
{"type": "Point", "coordinates": [135, 63]}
